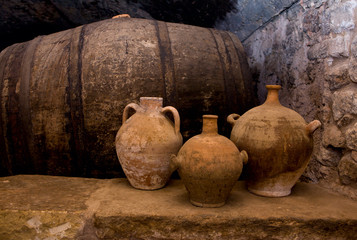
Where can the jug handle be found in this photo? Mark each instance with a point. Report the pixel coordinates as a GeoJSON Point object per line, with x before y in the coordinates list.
{"type": "Point", "coordinates": [174, 163]}
{"type": "Point", "coordinates": [244, 155]}
{"type": "Point", "coordinates": [126, 110]}
{"type": "Point", "coordinates": [176, 117]}
{"type": "Point", "coordinates": [232, 118]}
{"type": "Point", "coordinates": [312, 126]}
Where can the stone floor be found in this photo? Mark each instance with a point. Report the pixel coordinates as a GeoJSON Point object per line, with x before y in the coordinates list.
{"type": "Point", "coordinates": [48, 207]}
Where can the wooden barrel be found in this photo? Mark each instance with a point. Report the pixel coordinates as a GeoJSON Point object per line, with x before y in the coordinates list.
{"type": "Point", "coordinates": [62, 95]}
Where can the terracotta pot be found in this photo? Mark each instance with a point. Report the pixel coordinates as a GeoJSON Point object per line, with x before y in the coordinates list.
{"type": "Point", "coordinates": [145, 142]}
{"type": "Point", "coordinates": [209, 165]}
{"type": "Point", "coordinates": [279, 144]}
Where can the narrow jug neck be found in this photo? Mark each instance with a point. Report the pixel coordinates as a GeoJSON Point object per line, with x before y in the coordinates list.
{"type": "Point", "coordinates": [151, 102]}
{"type": "Point", "coordinates": [273, 94]}
{"type": "Point", "coordinates": [209, 125]}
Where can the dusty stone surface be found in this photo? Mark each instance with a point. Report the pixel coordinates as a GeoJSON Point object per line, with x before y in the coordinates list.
{"type": "Point", "coordinates": [333, 137]}
{"type": "Point", "coordinates": [347, 169]}
{"type": "Point", "coordinates": [345, 120]}
{"type": "Point", "coordinates": [43, 207]}
{"type": "Point", "coordinates": [250, 15]}
{"type": "Point", "coordinates": [354, 155]}
{"type": "Point", "coordinates": [338, 76]}
{"type": "Point", "coordinates": [329, 157]}
{"type": "Point", "coordinates": [310, 49]}
{"type": "Point", "coordinates": [47, 207]}
{"type": "Point", "coordinates": [344, 102]}
{"type": "Point", "coordinates": [351, 137]}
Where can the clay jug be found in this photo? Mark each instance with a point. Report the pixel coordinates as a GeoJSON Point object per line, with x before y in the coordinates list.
{"type": "Point", "coordinates": [279, 144]}
{"type": "Point", "coordinates": [209, 165]}
{"type": "Point", "coordinates": [146, 141]}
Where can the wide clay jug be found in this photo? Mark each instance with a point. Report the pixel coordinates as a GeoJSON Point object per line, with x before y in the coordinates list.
{"type": "Point", "coordinates": [209, 165]}
{"type": "Point", "coordinates": [146, 141]}
{"type": "Point", "coordinates": [279, 144]}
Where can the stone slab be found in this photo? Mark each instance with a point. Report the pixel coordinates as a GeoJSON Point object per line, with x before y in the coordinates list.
{"type": "Point", "coordinates": [49, 207]}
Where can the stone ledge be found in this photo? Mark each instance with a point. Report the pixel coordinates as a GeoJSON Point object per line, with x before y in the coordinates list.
{"type": "Point", "coordinates": [48, 207]}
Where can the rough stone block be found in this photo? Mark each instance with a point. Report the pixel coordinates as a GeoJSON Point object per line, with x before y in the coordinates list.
{"type": "Point", "coordinates": [351, 137]}
{"type": "Point", "coordinates": [352, 70]}
{"type": "Point", "coordinates": [339, 46]}
{"type": "Point", "coordinates": [354, 155]}
{"type": "Point", "coordinates": [43, 207]}
{"type": "Point", "coordinates": [329, 157]}
{"type": "Point", "coordinates": [338, 75]}
{"type": "Point", "coordinates": [342, 16]}
{"type": "Point", "coordinates": [311, 22]}
{"type": "Point", "coordinates": [345, 120]}
{"type": "Point", "coordinates": [326, 171]}
{"type": "Point", "coordinates": [332, 136]}
{"type": "Point", "coordinates": [354, 47]}
{"type": "Point", "coordinates": [318, 51]}
{"type": "Point", "coordinates": [344, 101]}
{"type": "Point", "coordinates": [347, 169]}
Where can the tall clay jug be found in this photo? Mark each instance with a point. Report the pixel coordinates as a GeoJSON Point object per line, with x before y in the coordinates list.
{"type": "Point", "coordinates": [146, 141]}
{"type": "Point", "coordinates": [209, 165]}
{"type": "Point", "coordinates": [279, 144]}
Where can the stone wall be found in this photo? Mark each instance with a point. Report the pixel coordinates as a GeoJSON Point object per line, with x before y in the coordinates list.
{"type": "Point", "coordinates": [310, 48]}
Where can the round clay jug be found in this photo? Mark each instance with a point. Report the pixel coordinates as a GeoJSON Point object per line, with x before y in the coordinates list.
{"type": "Point", "coordinates": [146, 141]}
{"type": "Point", "coordinates": [279, 144]}
{"type": "Point", "coordinates": [209, 165]}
